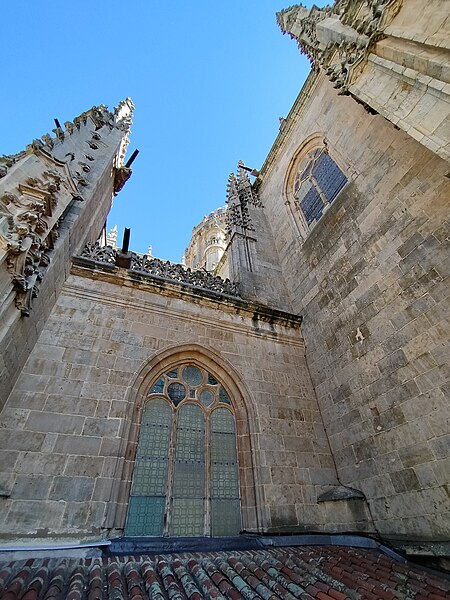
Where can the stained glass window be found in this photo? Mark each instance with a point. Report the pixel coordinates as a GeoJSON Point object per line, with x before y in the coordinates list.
{"type": "Point", "coordinates": [177, 392]}
{"type": "Point", "coordinates": [317, 184]}
{"type": "Point", "coordinates": [224, 474]}
{"type": "Point", "coordinates": [189, 473]}
{"type": "Point", "coordinates": [148, 491]}
{"type": "Point", "coordinates": [223, 396]}
{"type": "Point", "coordinates": [192, 375]}
{"type": "Point", "coordinates": [206, 397]}
{"type": "Point", "coordinates": [173, 491]}
{"type": "Point", "coordinates": [158, 387]}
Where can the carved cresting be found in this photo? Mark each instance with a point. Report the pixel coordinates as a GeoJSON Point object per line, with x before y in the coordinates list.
{"type": "Point", "coordinates": [338, 38]}
{"type": "Point", "coordinates": [166, 270]}
{"type": "Point", "coordinates": [36, 190]}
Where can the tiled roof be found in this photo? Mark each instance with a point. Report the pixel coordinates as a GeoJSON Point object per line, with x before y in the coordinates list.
{"type": "Point", "coordinates": [306, 572]}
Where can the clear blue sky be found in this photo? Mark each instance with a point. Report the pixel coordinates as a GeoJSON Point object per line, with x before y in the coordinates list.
{"type": "Point", "coordinates": [209, 79]}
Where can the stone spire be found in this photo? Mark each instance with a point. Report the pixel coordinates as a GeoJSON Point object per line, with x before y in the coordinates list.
{"type": "Point", "coordinates": [111, 237]}
{"type": "Point", "coordinates": [240, 194]}
{"type": "Point", "coordinates": [40, 185]}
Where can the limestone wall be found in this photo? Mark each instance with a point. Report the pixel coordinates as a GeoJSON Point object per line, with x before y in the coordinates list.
{"type": "Point", "coordinates": [371, 280]}
{"type": "Point", "coordinates": [69, 422]}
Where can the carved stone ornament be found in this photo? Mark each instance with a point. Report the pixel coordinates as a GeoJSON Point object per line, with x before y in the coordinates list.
{"type": "Point", "coordinates": [164, 270]}
{"type": "Point", "coordinates": [121, 176]}
{"type": "Point", "coordinates": [7, 161]}
{"type": "Point", "coordinates": [29, 219]}
{"type": "Point", "coordinates": [338, 38]}
{"type": "Point", "coordinates": [240, 194]}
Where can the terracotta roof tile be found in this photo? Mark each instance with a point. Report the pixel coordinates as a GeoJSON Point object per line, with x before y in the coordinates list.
{"type": "Point", "coordinates": [307, 573]}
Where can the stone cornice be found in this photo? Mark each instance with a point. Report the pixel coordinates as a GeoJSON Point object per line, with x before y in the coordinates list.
{"type": "Point", "coordinates": [85, 267]}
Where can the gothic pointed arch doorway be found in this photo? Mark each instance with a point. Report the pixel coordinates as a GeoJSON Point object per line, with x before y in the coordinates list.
{"type": "Point", "coordinates": [186, 478]}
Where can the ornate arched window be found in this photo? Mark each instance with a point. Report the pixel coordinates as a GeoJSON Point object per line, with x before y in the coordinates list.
{"type": "Point", "coordinates": [186, 480]}
{"type": "Point", "coordinates": [316, 181]}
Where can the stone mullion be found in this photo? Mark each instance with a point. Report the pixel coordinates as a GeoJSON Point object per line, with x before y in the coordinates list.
{"type": "Point", "coordinates": [207, 483]}
{"type": "Point", "coordinates": [170, 474]}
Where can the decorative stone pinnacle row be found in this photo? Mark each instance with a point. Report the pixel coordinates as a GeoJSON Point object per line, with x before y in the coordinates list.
{"type": "Point", "coordinates": [99, 115]}
{"type": "Point", "coordinates": [338, 38]}
{"type": "Point", "coordinates": [163, 270]}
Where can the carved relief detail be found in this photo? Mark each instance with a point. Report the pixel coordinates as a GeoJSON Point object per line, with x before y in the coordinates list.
{"type": "Point", "coordinates": [29, 219]}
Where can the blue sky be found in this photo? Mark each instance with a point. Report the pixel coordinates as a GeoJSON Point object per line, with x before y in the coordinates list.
{"type": "Point", "coordinates": [209, 79]}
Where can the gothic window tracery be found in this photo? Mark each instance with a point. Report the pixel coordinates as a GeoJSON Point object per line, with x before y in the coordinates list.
{"type": "Point", "coordinates": [317, 182]}
{"type": "Point", "coordinates": [186, 478]}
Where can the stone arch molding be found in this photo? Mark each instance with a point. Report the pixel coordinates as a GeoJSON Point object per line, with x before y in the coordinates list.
{"type": "Point", "coordinates": [251, 498]}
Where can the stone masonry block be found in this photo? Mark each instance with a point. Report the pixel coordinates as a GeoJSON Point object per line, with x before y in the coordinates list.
{"type": "Point", "coordinates": [101, 427]}
{"type": "Point", "coordinates": [77, 516]}
{"type": "Point", "coordinates": [392, 362]}
{"type": "Point", "coordinates": [31, 487]}
{"type": "Point", "coordinates": [298, 444]}
{"type": "Point", "coordinates": [415, 455]}
{"type": "Point", "coordinates": [79, 356]}
{"type": "Point", "coordinates": [27, 382]}
{"type": "Point", "coordinates": [62, 404]}
{"type": "Point", "coordinates": [29, 515]}
{"type": "Point", "coordinates": [103, 391]}
{"type": "Point", "coordinates": [21, 440]}
{"type": "Point", "coordinates": [282, 476]}
{"type": "Point", "coordinates": [72, 489]}
{"type": "Point", "coordinates": [389, 419]}
{"type": "Point", "coordinates": [27, 400]}
{"type": "Point", "coordinates": [85, 466]}
{"type": "Point", "coordinates": [34, 463]}
{"type": "Point", "coordinates": [405, 481]}
{"type": "Point", "coordinates": [283, 516]}
{"type": "Point", "coordinates": [440, 446]}
{"type": "Point", "coordinates": [55, 422]}
{"type": "Point", "coordinates": [109, 446]}
{"type": "Point", "coordinates": [78, 445]}
{"type": "Point", "coordinates": [103, 488]}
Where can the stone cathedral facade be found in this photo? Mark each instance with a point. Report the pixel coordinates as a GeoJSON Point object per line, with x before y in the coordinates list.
{"type": "Point", "coordinates": [308, 390]}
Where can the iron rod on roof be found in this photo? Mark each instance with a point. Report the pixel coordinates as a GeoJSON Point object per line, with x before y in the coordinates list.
{"type": "Point", "coordinates": [131, 159]}
{"type": "Point", "coordinates": [126, 240]}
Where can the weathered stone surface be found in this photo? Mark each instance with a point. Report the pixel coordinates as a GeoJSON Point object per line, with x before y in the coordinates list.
{"type": "Point", "coordinates": [88, 409]}
{"type": "Point", "coordinates": [369, 280]}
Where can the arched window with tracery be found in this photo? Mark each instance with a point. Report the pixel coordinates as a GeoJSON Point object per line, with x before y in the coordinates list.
{"type": "Point", "coordinates": [186, 478]}
{"type": "Point", "coordinates": [316, 182]}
